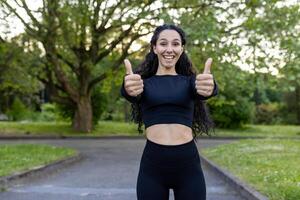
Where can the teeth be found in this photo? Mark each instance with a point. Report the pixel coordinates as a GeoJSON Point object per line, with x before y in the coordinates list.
{"type": "Point", "coordinates": [168, 57]}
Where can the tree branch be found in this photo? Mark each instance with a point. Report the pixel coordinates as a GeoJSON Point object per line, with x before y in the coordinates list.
{"type": "Point", "coordinates": [50, 81]}
{"type": "Point", "coordinates": [47, 82]}
{"type": "Point", "coordinates": [62, 100]}
{"type": "Point", "coordinates": [108, 17]}
{"type": "Point", "coordinates": [120, 38]}
{"type": "Point", "coordinates": [71, 65]}
{"type": "Point", "coordinates": [31, 30]}
{"type": "Point", "coordinates": [117, 62]}
{"type": "Point", "coordinates": [61, 77]}
{"type": "Point", "coordinates": [34, 20]}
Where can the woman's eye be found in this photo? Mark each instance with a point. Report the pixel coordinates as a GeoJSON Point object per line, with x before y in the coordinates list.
{"type": "Point", "coordinates": [163, 44]}
{"type": "Point", "coordinates": [176, 44]}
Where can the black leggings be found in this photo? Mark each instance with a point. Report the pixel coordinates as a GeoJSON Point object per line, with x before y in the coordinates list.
{"type": "Point", "coordinates": [165, 167]}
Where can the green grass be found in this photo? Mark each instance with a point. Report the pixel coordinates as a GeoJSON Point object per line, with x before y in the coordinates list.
{"type": "Point", "coordinates": [270, 166]}
{"type": "Point", "coordinates": [121, 128]}
{"type": "Point", "coordinates": [262, 131]}
{"type": "Point", "coordinates": [63, 128]}
{"type": "Point", "coordinates": [20, 157]}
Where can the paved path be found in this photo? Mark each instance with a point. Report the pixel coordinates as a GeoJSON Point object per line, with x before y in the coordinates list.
{"type": "Point", "coordinates": [108, 171]}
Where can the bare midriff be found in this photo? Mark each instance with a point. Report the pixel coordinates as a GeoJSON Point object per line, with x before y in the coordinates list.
{"type": "Point", "coordinates": [169, 134]}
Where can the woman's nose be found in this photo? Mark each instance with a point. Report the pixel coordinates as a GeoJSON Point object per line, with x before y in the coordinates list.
{"type": "Point", "coordinates": [169, 48]}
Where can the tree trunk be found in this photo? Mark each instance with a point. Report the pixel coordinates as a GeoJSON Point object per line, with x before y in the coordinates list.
{"type": "Point", "coordinates": [83, 117]}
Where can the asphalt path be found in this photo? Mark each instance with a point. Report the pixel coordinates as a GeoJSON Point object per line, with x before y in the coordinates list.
{"type": "Point", "coordinates": [107, 171]}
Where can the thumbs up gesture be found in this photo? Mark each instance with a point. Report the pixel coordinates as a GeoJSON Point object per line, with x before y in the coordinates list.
{"type": "Point", "coordinates": [133, 83]}
{"type": "Point", "coordinates": [205, 82]}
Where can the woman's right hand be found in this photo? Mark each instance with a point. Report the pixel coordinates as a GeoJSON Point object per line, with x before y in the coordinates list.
{"type": "Point", "coordinates": [133, 83]}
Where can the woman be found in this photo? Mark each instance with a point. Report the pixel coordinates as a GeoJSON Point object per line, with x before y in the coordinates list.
{"type": "Point", "coordinates": [167, 96]}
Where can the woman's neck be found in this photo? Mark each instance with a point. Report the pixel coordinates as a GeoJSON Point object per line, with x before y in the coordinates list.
{"type": "Point", "coordinates": [166, 71]}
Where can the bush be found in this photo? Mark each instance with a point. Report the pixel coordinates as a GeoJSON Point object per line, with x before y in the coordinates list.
{"type": "Point", "coordinates": [232, 114]}
{"type": "Point", "coordinates": [115, 112]}
{"type": "Point", "coordinates": [18, 111]}
{"type": "Point", "coordinates": [50, 112]}
{"type": "Point", "coordinates": [268, 113]}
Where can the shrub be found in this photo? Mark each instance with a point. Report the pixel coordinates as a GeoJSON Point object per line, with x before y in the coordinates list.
{"type": "Point", "coordinates": [18, 111]}
{"type": "Point", "coordinates": [50, 112]}
{"type": "Point", "coordinates": [116, 111]}
{"type": "Point", "coordinates": [268, 113]}
{"type": "Point", "coordinates": [232, 114]}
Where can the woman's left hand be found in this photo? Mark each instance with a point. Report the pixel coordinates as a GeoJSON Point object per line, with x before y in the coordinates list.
{"type": "Point", "coordinates": [205, 82]}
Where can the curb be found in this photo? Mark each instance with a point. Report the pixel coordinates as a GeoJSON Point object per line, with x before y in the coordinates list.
{"type": "Point", "coordinates": [244, 189]}
{"type": "Point", "coordinates": [6, 181]}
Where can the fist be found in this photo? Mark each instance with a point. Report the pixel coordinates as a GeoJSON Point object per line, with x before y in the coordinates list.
{"type": "Point", "coordinates": [133, 83]}
{"type": "Point", "coordinates": [204, 82]}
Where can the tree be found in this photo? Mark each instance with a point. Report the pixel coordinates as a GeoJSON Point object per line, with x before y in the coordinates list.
{"type": "Point", "coordinates": [15, 76]}
{"type": "Point", "coordinates": [76, 38]}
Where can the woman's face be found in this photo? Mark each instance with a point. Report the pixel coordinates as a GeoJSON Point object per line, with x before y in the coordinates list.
{"type": "Point", "coordinates": [168, 48]}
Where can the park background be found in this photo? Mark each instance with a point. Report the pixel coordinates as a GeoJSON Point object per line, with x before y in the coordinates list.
{"type": "Point", "coordinates": [61, 69]}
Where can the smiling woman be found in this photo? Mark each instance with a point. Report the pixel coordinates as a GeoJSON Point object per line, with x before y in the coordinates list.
{"type": "Point", "coordinates": [167, 96]}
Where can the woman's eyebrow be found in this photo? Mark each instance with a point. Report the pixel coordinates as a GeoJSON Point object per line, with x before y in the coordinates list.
{"type": "Point", "coordinates": [164, 39]}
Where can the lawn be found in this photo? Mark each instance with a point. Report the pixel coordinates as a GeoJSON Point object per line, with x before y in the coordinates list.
{"type": "Point", "coordinates": [20, 157]}
{"type": "Point", "coordinates": [105, 128]}
{"type": "Point", "coordinates": [62, 128]}
{"type": "Point", "coordinates": [262, 131]}
{"type": "Point", "coordinates": [270, 166]}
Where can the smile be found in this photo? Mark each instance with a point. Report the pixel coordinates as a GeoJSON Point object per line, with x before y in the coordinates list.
{"type": "Point", "coordinates": [169, 57]}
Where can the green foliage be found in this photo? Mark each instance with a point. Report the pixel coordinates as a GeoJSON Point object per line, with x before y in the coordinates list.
{"type": "Point", "coordinates": [66, 111]}
{"type": "Point", "coordinates": [99, 104]}
{"type": "Point", "coordinates": [16, 78]}
{"type": "Point", "coordinates": [116, 109]}
{"type": "Point", "coordinates": [232, 114]}
{"type": "Point", "coordinates": [18, 110]}
{"type": "Point", "coordinates": [115, 112]}
{"type": "Point", "coordinates": [289, 116]}
{"type": "Point", "coordinates": [233, 106]}
{"type": "Point", "coordinates": [49, 113]}
{"type": "Point", "coordinates": [268, 113]}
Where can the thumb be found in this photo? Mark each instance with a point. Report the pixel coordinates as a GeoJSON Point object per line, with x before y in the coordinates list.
{"type": "Point", "coordinates": [207, 66]}
{"type": "Point", "coordinates": [128, 67]}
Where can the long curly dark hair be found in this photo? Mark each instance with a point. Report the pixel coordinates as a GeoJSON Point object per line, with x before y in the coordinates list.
{"type": "Point", "coordinates": [202, 123]}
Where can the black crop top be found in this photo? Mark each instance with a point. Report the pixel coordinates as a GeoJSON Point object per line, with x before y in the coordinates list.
{"type": "Point", "coordinates": [168, 99]}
